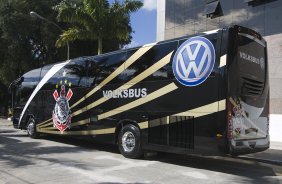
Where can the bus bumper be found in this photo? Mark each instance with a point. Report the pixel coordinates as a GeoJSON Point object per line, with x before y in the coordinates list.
{"type": "Point", "coordinates": [240, 147]}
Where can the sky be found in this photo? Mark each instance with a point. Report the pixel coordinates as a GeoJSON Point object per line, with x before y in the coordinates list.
{"type": "Point", "coordinates": [143, 23]}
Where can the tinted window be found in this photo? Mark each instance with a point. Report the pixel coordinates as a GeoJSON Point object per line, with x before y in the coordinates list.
{"type": "Point", "coordinates": [73, 74]}
{"type": "Point", "coordinates": [101, 67]}
{"type": "Point", "coordinates": [44, 70]}
{"type": "Point", "coordinates": [30, 81]}
{"type": "Point", "coordinates": [76, 72]}
{"type": "Point", "coordinates": [152, 56]}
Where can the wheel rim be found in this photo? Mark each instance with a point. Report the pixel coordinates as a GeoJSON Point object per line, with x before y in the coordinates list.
{"type": "Point", "coordinates": [30, 128]}
{"type": "Point", "coordinates": [128, 141]}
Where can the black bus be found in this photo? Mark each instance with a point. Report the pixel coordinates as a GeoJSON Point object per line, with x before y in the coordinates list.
{"type": "Point", "coordinates": [202, 94]}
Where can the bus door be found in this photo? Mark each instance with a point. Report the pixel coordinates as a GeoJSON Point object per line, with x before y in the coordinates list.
{"type": "Point", "coordinates": [248, 90]}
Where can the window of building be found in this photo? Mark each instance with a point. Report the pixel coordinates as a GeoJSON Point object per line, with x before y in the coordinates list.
{"type": "Point", "coordinates": [213, 9]}
{"type": "Point", "coordinates": [258, 2]}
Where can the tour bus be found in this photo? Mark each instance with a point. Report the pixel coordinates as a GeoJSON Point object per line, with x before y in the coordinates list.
{"type": "Point", "coordinates": [203, 94]}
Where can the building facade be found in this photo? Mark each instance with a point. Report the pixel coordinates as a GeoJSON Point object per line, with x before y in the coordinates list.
{"type": "Point", "coordinates": [177, 18]}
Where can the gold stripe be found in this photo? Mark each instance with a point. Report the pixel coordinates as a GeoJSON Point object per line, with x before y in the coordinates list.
{"type": "Point", "coordinates": [84, 132]}
{"type": "Point", "coordinates": [81, 122]}
{"type": "Point", "coordinates": [143, 125]}
{"type": "Point", "coordinates": [47, 128]}
{"type": "Point", "coordinates": [140, 101]}
{"type": "Point", "coordinates": [119, 70]}
{"type": "Point", "coordinates": [44, 122]}
{"type": "Point", "coordinates": [167, 120]}
{"type": "Point", "coordinates": [45, 125]}
{"type": "Point", "coordinates": [130, 83]}
{"type": "Point", "coordinates": [197, 112]}
{"type": "Point", "coordinates": [222, 105]}
{"type": "Point", "coordinates": [204, 110]}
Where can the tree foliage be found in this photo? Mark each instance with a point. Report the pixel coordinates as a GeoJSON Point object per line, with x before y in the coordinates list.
{"type": "Point", "coordinates": [27, 43]}
{"type": "Point", "coordinates": [96, 20]}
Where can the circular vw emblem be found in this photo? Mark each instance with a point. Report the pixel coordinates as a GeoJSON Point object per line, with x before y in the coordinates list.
{"type": "Point", "coordinates": [193, 61]}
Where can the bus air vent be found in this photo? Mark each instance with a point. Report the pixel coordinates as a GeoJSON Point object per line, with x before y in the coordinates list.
{"type": "Point", "coordinates": [181, 131]}
{"type": "Point", "coordinates": [251, 87]}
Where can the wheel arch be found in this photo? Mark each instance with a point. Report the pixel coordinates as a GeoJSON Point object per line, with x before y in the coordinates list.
{"type": "Point", "coordinates": [28, 117]}
{"type": "Point", "coordinates": [123, 123]}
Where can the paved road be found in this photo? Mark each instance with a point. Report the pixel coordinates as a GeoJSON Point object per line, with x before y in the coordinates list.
{"type": "Point", "coordinates": [61, 160]}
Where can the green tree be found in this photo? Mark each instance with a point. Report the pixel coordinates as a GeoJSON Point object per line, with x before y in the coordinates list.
{"type": "Point", "coordinates": [96, 20]}
{"type": "Point", "coordinates": [25, 43]}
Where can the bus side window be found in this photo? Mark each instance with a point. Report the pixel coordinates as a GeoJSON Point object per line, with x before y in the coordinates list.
{"type": "Point", "coordinates": [49, 84]}
{"type": "Point", "coordinates": [75, 73]}
{"type": "Point", "coordinates": [30, 81]}
{"type": "Point", "coordinates": [151, 57]}
{"type": "Point", "coordinates": [103, 66]}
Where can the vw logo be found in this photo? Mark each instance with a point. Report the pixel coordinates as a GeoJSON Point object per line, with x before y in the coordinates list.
{"type": "Point", "coordinates": [193, 61]}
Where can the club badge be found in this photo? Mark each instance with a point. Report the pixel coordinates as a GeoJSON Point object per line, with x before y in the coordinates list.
{"type": "Point", "coordinates": [61, 113]}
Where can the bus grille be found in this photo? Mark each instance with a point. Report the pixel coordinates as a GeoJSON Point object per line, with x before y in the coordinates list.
{"type": "Point", "coordinates": [252, 87]}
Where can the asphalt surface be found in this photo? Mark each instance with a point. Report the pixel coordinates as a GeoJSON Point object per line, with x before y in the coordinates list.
{"type": "Point", "coordinates": [69, 160]}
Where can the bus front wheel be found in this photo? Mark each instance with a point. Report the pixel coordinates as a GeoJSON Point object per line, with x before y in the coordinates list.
{"type": "Point", "coordinates": [31, 129]}
{"type": "Point", "coordinates": [129, 141]}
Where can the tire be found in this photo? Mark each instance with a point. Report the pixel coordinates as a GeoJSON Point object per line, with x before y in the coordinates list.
{"type": "Point", "coordinates": [129, 142]}
{"type": "Point", "coordinates": [31, 129]}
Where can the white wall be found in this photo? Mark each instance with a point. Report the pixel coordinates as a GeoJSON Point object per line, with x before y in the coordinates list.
{"type": "Point", "coordinates": [160, 20]}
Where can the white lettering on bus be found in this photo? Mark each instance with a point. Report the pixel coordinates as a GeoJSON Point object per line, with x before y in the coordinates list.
{"type": "Point", "coordinates": [250, 58]}
{"type": "Point", "coordinates": [126, 93]}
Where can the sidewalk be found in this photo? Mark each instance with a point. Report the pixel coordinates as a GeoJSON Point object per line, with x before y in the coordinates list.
{"type": "Point", "coordinates": [275, 128]}
{"type": "Point", "coordinates": [5, 122]}
{"type": "Point", "coordinates": [273, 155]}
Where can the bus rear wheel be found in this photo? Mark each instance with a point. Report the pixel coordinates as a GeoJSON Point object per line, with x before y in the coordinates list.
{"type": "Point", "coordinates": [31, 129]}
{"type": "Point", "coordinates": [129, 142]}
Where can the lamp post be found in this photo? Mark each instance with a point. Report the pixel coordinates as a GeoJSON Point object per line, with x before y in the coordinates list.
{"type": "Point", "coordinates": [36, 15]}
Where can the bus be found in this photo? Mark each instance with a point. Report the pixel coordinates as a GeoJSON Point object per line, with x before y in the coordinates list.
{"type": "Point", "coordinates": [202, 94]}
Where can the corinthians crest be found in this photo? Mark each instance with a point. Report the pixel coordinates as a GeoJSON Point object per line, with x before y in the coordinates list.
{"type": "Point", "coordinates": [61, 113]}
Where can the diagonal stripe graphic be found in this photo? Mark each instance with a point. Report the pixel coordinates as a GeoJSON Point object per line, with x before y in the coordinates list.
{"type": "Point", "coordinates": [204, 110]}
{"type": "Point", "coordinates": [47, 121]}
{"type": "Point", "coordinates": [47, 124]}
{"type": "Point", "coordinates": [156, 94]}
{"type": "Point", "coordinates": [142, 125]}
{"type": "Point", "coordinates": [130, 83]}
{"type": "Point", "coordinates": [119, 70]}
{"type": "Point", "coordinates": [196, 112]}
{"type": "Point", "coordinates": [83, 132]}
